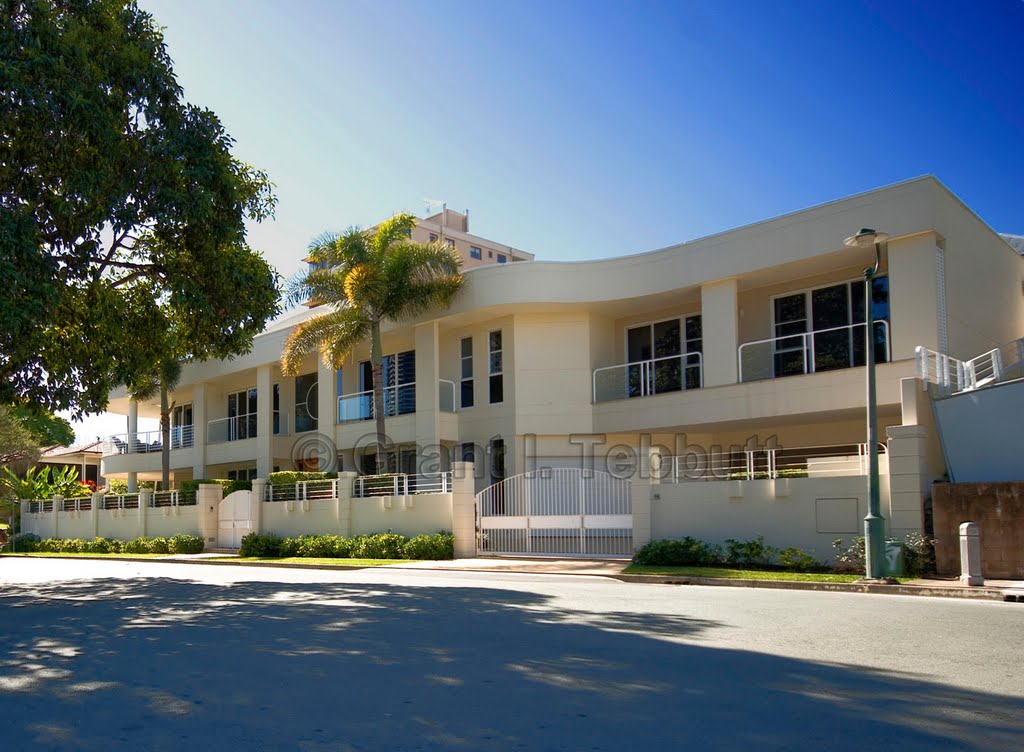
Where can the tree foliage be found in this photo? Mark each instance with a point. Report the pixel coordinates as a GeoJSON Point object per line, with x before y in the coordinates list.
{"type": "Point", "coordinates": [24, 431]}
{"type": "Point", "coordinates": [121, 208]}
{"type": "Point", "coordinates": [365, 278]}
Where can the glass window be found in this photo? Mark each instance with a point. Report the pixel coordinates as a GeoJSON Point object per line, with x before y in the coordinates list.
{"type": "Point", "coordinates": [495, 368]}
{"type": "Point", "coordinates": [475, 252]}
{"type": "Point", "coordinates": [466, 382]}
{"type": "Point", "coordinates": [433, 237]}
{"type": "Point", "coordinates": [449, 242]}
{"type": "Point", "coordinates": [306, 402]}
{"type": "Point", "coordinates": [501, 258]}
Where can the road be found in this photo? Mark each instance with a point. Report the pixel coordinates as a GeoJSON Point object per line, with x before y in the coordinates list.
{"type": "Point", "coordinates": [112, 655]}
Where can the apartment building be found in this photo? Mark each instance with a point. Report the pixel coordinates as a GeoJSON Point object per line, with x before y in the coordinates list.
{"type": "Point", "coordinates": [730, 349]}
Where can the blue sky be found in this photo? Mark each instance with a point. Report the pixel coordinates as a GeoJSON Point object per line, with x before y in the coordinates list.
{"type": "Point", "coordinates": [586, 129]}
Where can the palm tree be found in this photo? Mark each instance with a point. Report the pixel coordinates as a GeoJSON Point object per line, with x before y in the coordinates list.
{"type": "Point", "coordinates": [364, 278]}
{"type": "Point", "coordinates": [162, 380]}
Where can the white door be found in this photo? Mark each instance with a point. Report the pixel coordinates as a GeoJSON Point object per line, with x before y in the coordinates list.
{"type": "Point", "coordinates": [234, 519]}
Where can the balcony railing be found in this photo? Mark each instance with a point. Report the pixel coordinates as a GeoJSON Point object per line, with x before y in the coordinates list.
{"type": "Point", "coordinates": [953, 375]}
{"type": "Point", "coordinates": [231, 429]}
{"type": "Point", "coordinates": [173, 498]}
{"type": "Point", "coordinates": [398, 400]}
{"type": "Point", "coordinates": [642, 378]}
{"type": "Point", "coordinates": [828, 461]}
{"type": "Point", "coordinates": [306, 490]}
{"type": "Point", "coordinates": [146, 442]}
{"type": "Point", "coordinates": [401, 484]}
{"type": "Point", "coordinates": [810, 352]}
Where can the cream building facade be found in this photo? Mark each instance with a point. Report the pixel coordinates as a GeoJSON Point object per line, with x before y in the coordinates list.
{"type": "Point", "coordinates": [725, 356]}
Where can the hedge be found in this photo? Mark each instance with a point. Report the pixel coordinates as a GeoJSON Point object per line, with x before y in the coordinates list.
{"type": "Point", "coordinates": [178, 544]}
{"type": "Point", "coordinates": [229, 486]}
{"type": "Point", "coordinates": [379, 546]}
{"type": "Point", "coordinates": [285, 477]}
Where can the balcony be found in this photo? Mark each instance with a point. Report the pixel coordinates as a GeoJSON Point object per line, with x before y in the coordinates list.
{"type": "Point", "coordinates": [643, 378]}
{"type": "Point", "coordinates": [810, 352]}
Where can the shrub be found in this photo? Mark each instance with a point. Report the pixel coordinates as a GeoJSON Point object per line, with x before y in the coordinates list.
{"type": "Point", "coordinates": [237, 485]}
{"type": "Point", "coordinates": [25, 543]}
{"type": "Point", "coordinates": [284, 477]}
{"type": "Point", "coordinates": [186, 544]}
{"type": "Point", "coordinates": [750, 553]}
{"type": "Point", "coordinates": [264, 545]}
{"type": "Point", "coordinates": [318, 546]}
{"type": "Point", "coordinates": [430, 547]}
{"type": "Point", "coordinates": [158, 546]}
{"type": "Point", "coordinates": [849, 558]}
{"type": "Point", "coordinates": [688, 552]}
{"type": "Point", "coordinates": [342, 547]}
{"type": "Point", "coordinates": [798, 560]}
{"type": "Point", "coordinates": [918, 554]}
{"type": "Point", "coordinates": [136, 546]}
{"type": "Point", "coordinates": [99, 546]}
{"type": "Point", "coordinates": [290, 547]}
{"type": "Point", "coordinates": [379, 546]}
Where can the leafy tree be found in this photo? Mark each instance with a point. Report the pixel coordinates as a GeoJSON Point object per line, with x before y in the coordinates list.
{"type": "Point", "coordinates": [162, 380]}
{"type": "Point", "coordinates": [365, 278]}
{"type": "Point", "coordinates": [118, 201]}
{"type": "Point", "coordinates": [24, 431]}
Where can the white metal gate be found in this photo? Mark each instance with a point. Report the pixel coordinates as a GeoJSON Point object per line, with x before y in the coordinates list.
{"type": "Point", "coordinates": [234, 519]}
{"type": "Point", "coordinates": [557, 511]}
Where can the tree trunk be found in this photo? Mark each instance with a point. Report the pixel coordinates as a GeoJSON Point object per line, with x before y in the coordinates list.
{"type": "Point", "coordinates": [165, 436]}
{"type": "Point", "coordinates": [376, 365]}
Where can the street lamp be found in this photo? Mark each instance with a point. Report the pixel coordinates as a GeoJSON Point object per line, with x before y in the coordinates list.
{"type": "Point", "coordinates": [874, 523]}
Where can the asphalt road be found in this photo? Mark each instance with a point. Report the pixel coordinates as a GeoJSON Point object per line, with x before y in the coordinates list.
{"type": "Point", "coordinates": [152, 656]}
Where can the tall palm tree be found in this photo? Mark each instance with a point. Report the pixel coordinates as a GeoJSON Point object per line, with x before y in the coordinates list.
{"type": "Point", "coordinates": [364, 278]}
{"type": "Point", "coordinates": [162, 380]}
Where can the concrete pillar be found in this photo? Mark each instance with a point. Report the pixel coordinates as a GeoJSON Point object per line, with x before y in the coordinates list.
{"type": "Point", "coordinates": [259, 490]}
{"type": "Point", "coordinates": [970, 555]}
{"type": "Point", "coordinates": [133, 482]}
{"type": "Point", "coordinates": [133, 424]}
{"type": "Point", "coordinates": [327, 416]}
{"type": "Point", "coordinates": [208, 498]}
{"type": "Point", "coordinates": [719, 313]}
{"type": "Point", "coordinates": [145, 499]}
{"type": "Point", "coordinates": [94, 513]}
{"type": "Point", "coordinates": [464, 510]}
{"type": "Point", "coordinates": [909, 480]}
{"type": "Point", "coordinates": [642, 493]}
{"type": "Point", "coordinates": [343, 504]}
{"type": "Point", "coordinates": [58, 501]}
{"type": "Point", "coordinates": [428, 373]}
{"type": "Point", "coordinates": [264, 422]}
{"type": "Point", "coordinates": [200, 417]}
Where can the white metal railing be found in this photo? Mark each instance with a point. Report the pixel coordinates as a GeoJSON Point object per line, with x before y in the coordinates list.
{"type": "Point", "coordinates": [122, 501]}
{"type": "Point", "coordinates": [38, 506]}
{"type": "Point", "coordinates": [756, 359]}
{"type": "Point", "coordinates": [835, 460]}
{"type": "Point", "coordinates": [231, 429]}
{"type": "Point", "coordinates": [182, 437]}
{"type": "Point", "coordinates": [953, 375]}
{"type": "Point", "coordinates": [142, 442]}
{"type": "Point", "coordinates": [401, 484]}
{"type": "Point", "coordinates": [398, 400]}
{"type": "Point", "coordinates": [78, 504]}
{"type": "Point", "coordinates": [446, 396]}
{"type": "Point", "coordinates": [173, 498]}
{"type": "Point", "coordinates": [642, 378]}
{"type": "Point", "coordinates": [305, 490]}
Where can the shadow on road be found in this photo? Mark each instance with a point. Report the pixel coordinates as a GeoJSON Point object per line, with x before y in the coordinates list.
{"type": "Point", "coordinates": [176, 665]}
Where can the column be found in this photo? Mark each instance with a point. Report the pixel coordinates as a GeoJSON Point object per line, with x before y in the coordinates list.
{"type": "Point", "coordinates": [133, 482]}
{"type": "Point", "coordinates": [909, 481]}
{"type": "Point", "coordinates": [133, 424]}
{"type": "Point", "coordinates": [259, 489]}
{"type": "Point", "coordinates": [199, 420]}
{"type": "Point", "coordinates": [145, 499]}
{"type": "Point", "coordinates": [720, 322]}
{"type": "Point", "coordinates": [464, 510]}
{"type": "Point", "coordinates": [208, 498]}
{"type": "Point", "coordinates": [327, 416]}
{"type": "Point", "coordinates": [428, 374]}
{"type": "Point", "coordinates": [264, 422]}
{"type": "Point", "coordinates": [343, 504]}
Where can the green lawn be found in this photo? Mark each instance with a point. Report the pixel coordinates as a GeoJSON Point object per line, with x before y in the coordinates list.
{"type": "Point", "coordinates": [741, 574]}
{"type": "Point", "coordinates": [310, 561]}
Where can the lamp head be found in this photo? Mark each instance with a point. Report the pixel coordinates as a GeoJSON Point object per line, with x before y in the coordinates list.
{"type": "Point", "coordinates": [866, 238]}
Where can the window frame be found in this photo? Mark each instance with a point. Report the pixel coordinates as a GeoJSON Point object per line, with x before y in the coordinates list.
{"type": "Point", "coordinates": [463, 379]}
{"type": "Point", "coordinates": [491, 372]}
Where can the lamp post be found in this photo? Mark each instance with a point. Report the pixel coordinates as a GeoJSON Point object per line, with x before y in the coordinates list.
{"type": "Point", "coordinates": [874, 523]}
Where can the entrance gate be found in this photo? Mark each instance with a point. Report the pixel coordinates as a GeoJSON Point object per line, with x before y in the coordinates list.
{"type": "Point", "coordinates": [557, 511]}
{"type": "Point", "coordinates": [234, 519]}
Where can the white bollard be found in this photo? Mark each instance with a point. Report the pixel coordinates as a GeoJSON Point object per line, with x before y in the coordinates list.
{"type": "Point", "coordinates": [970, 555]}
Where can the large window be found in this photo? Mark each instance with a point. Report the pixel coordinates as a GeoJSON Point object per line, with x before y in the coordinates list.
{"type": "Point", "coordinates": [495, 368]}
{"type": "Point", "coordinates": [398, 373]}
{"type": "Point", "coordinates": [306, 402]}
{"type": "Point", "coordinates": [816, 330]}
{"type": "Point", "coordinates": [659, 356]}
{"type": "Point", "coordinates": [466, 377]}
{"type": "Point", "coordinates": [242, 415]}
